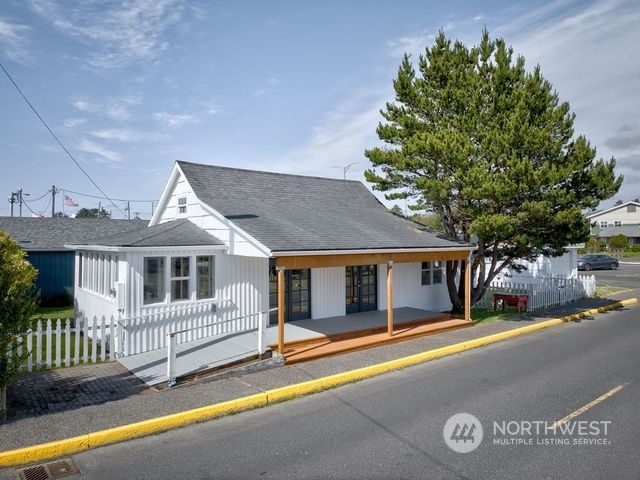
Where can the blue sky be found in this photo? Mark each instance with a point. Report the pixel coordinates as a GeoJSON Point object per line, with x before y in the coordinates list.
{"type": "Point", "coordinates": [288, 86]}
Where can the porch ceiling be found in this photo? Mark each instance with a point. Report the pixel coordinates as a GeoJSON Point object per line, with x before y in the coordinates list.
{"type": "Point", "coordinates": [338, 260]}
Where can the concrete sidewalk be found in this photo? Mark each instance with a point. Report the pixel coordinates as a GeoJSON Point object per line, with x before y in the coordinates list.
{"type": "Point", "coordinates": [64, 403]}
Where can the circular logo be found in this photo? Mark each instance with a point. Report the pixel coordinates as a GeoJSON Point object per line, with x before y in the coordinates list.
{"type": "Point", "coordinates": [462, 433]}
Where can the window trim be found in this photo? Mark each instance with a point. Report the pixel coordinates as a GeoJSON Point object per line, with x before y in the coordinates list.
{"type": "Point", "coordinates": [182, 205]}
{"type": "Point", "coordinates": [434, 273]}
{"type": "Point", "coordinates": [180, 278]}
{"type": "Point", "coordinates": [211, 277]}
{"type": "Point", "coordinates": [162, 290]}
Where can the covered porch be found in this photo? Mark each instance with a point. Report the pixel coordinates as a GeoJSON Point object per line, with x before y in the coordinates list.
{"type": "Point", "coordinates": [395, 327]}
{"type": "Point", "coordinates": [306, 340]}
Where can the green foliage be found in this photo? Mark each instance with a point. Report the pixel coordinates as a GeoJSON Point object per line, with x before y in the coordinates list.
{"type": "Point", "coordinates": [18, 301]}
{"type": "Point", "coordinates": [396, 209]}
{"type": "Point", "coordinates": [431, 221]}
{"type": "Point", "coordinates": [618, 242]}
{"type": "Point", "coordinates": [633, 248]}
{"type": "Point", "coordinates": [491, 150]}
{"type": "Point", "coordinates": [92, 213]}
{"type": "Point", "coordinates": [593, 245]}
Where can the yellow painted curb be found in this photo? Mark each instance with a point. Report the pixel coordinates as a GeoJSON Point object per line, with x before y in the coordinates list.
{"type": "Point", "coordinates": [156, 425]}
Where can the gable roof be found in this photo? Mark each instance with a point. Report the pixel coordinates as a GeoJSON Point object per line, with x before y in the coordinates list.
{"type": "Point", "coordinates": [301, 213]}
{"type": "Point", "coordinates": [52, 234]}
{"type": "Point", "coordinates": [169, 234]}
{"type": "Point", "coordinates": [597, 213]}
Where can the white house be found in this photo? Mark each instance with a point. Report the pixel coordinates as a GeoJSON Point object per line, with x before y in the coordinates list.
{"type": "Point", "coordinates": [226, 245]}
{"type": "Point", "coordinates": [620, 219]}
{"type": "Point", "coordinates": [544, 267]}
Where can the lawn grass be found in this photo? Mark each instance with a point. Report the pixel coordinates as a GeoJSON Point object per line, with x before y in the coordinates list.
{"type": "Point", "coordinates": [54, 314]}
{"type": "Point", "coordinates": [605, 290]}
{"type": "Point", "coordinates": [487, 315]}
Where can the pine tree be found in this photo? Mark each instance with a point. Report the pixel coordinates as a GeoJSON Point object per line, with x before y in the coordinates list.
{"type": "Point", "coordinates": [490, 149]}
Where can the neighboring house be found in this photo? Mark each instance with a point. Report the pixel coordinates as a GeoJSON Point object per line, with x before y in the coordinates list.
{"type": "Point", "coordinates": [632, 232]}
{"type": "Point", "coordinates": [44, 241]}
{"type": "Point", "coordinates": [610, 222]}
{"type": "Point", "coordinates": [223, 239]}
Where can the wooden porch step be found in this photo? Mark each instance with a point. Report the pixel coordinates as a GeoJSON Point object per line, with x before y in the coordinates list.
{"type": "Point", "coordinates": [324, 347]}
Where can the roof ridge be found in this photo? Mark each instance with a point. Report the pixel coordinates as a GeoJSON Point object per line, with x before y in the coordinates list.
{"type": "Point", "coordinates": [298, 175]}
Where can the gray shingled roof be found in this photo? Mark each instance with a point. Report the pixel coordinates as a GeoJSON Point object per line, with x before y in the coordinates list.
{"type": "Point", "coordinates": [300, 213]}
{"type": "Point", "coordinates": [54, 233]}
{"type": "Point", "coordinates": [626, 230]}
{"type": "Point", "coordinates": [169, 234]}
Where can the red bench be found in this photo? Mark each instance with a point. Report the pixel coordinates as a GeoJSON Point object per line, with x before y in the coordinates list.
{"type": "Point", "coordinates": [520, 301]}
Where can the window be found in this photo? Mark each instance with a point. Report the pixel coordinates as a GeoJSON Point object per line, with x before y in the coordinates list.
{"type": "Point", "coordinates": [617, 223]}
{"type": "Point", "coordinates": [153, 280]}
{"type": "Point", "coordinates": [603, 224]}
{"type": "Point", "coordinates": [431, 273]}
{"type": "Point", "coordinates": [179, 278]}
{"type": "Point", "coordinates": [631, 208]}
{"type": "Point", "coordinates": [182, 205]}
{"type": "Point", "coordinates": [204, 277]}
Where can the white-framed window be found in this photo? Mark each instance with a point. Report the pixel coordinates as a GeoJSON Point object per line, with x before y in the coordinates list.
{"type": "Point", "coordinates": [205, 277]}
{"type": "Point", "coordinates": [617, 223]}
{"type": "Point", "coordinates": [179, 278]}
{"type": "Point", "coordinates": [603, 224]}
{"type": "Point", "coordinates": [153, 280]}
{"type": "Point", "coordinates": [432, 273]}
{"type": "Point", "coordinates": [182, 205]}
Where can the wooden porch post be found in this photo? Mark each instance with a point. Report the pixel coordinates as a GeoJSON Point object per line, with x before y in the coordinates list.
{"type": "Point", "coordinates": [390, 297]}
{"type": "Point", "coordinates": [281, 310]}
{"type": "Point", "coordinates": [467, 290]}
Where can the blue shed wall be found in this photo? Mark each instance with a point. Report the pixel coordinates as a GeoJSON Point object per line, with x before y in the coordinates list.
{"type": "Point", "coordinates": [55, 272]}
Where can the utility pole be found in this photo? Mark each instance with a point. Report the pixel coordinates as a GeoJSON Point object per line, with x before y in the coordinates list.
{"type": "Point", "coordinates": [99, 209]}
{"type": "Point", "coordinates": [129, 209]}
{"type": "Point", "coordinates": [13, 199]}
{"type": "Point", "coordinates": [53, 200]}
{"type": "Point", "coordinates": [346, 168]}
{"type": "Point", "coordinates": [20, 200]}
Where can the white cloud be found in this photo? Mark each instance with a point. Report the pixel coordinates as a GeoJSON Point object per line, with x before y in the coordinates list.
{"type": "Point", "coordinates": [413, 45]}
{"type": "Point", "coordinates": [116, 109]}
{"type": "Point", "coordinates": [119, 32]}
{"type": "Point", "coordinates": [125, 135]}
{"type": "Point", "coordinates": [93, 148]}
{"type": "Point", "coordinates": [74, 122]}
{"type": "Point", "coordinates": [13, 41]}
{"type": "Point", "coordinates": [173, 120]}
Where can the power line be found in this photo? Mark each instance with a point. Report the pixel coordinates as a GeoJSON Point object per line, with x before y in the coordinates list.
{"type": "Point", "coordinates": [57, 139]}
{"type": "Point", "coordinates": [103, 198]}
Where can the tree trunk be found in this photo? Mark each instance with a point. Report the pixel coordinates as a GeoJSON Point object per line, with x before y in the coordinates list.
{"type": "Point", "coordinates": [457, 302]}
{"type": "Point", "coordinates": [3, 404]}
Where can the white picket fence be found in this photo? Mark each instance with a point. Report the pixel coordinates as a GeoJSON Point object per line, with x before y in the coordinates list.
{"type": "Point", "coordinates": [59, 343]}
{"type": "Point", "coordinates": [545, 293]}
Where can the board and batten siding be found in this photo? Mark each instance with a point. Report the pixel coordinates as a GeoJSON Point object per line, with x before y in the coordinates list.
{"type": "Point", "coordinates": [327, 292]}
{"type": "Point", "coordinates": [565, 266]}
{"type": "Point", "coordinates": [241, 285]}
{"type": "Point", "coordinates": [206, 218]}
{"type": "Point", "coordinates": [408, 290]}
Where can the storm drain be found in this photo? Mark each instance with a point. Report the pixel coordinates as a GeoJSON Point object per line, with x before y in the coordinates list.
{"type": "Point", "coordinates": [49, 471]}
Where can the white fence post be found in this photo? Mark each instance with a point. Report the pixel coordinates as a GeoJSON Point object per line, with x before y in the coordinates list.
{"type": "Point", "coordinates": [171, 359]}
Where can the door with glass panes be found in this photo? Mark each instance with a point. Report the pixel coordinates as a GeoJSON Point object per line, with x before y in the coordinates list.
{"type": "Point", "coordinates": [361, 288]}
{"type": "Point", "coordinates": [297, 294]}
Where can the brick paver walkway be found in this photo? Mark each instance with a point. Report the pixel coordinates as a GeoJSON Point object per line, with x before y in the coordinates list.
{"type": "Point", "coordinates": [62, 389]}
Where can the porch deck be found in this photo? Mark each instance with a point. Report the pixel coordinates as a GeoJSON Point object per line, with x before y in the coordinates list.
{"type": "Point", "coordinates": [304, 340]}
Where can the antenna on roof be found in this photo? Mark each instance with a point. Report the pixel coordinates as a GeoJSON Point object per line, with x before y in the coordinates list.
{"type": "Point", "coordinates": [346, 168]}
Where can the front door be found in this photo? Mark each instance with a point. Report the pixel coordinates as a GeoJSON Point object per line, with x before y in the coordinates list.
{"type": "Point", "coordinates": [361, 284]}
{"type": "Point", "coordinates": [297, 294]}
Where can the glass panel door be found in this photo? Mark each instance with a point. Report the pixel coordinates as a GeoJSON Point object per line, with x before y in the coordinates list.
{"type": "Point", "coordinates": [361, 288]}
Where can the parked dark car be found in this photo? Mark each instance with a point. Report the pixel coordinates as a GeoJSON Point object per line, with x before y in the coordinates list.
{"type": "Point", "coordinates": [596, 261]}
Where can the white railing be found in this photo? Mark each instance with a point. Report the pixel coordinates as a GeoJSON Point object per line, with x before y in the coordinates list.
{"type": "Point", "coordinates": [547, 292]}
{"type": "Point", "coordinates": [59, 343]}
{"type": "Point", "coordinates": [150, 331]}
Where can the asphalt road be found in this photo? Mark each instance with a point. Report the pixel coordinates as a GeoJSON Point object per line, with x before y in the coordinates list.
{"type": "Point", "coordinates": [628, 276]}
{"type": "Point", "coordinates": [392, 426]}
